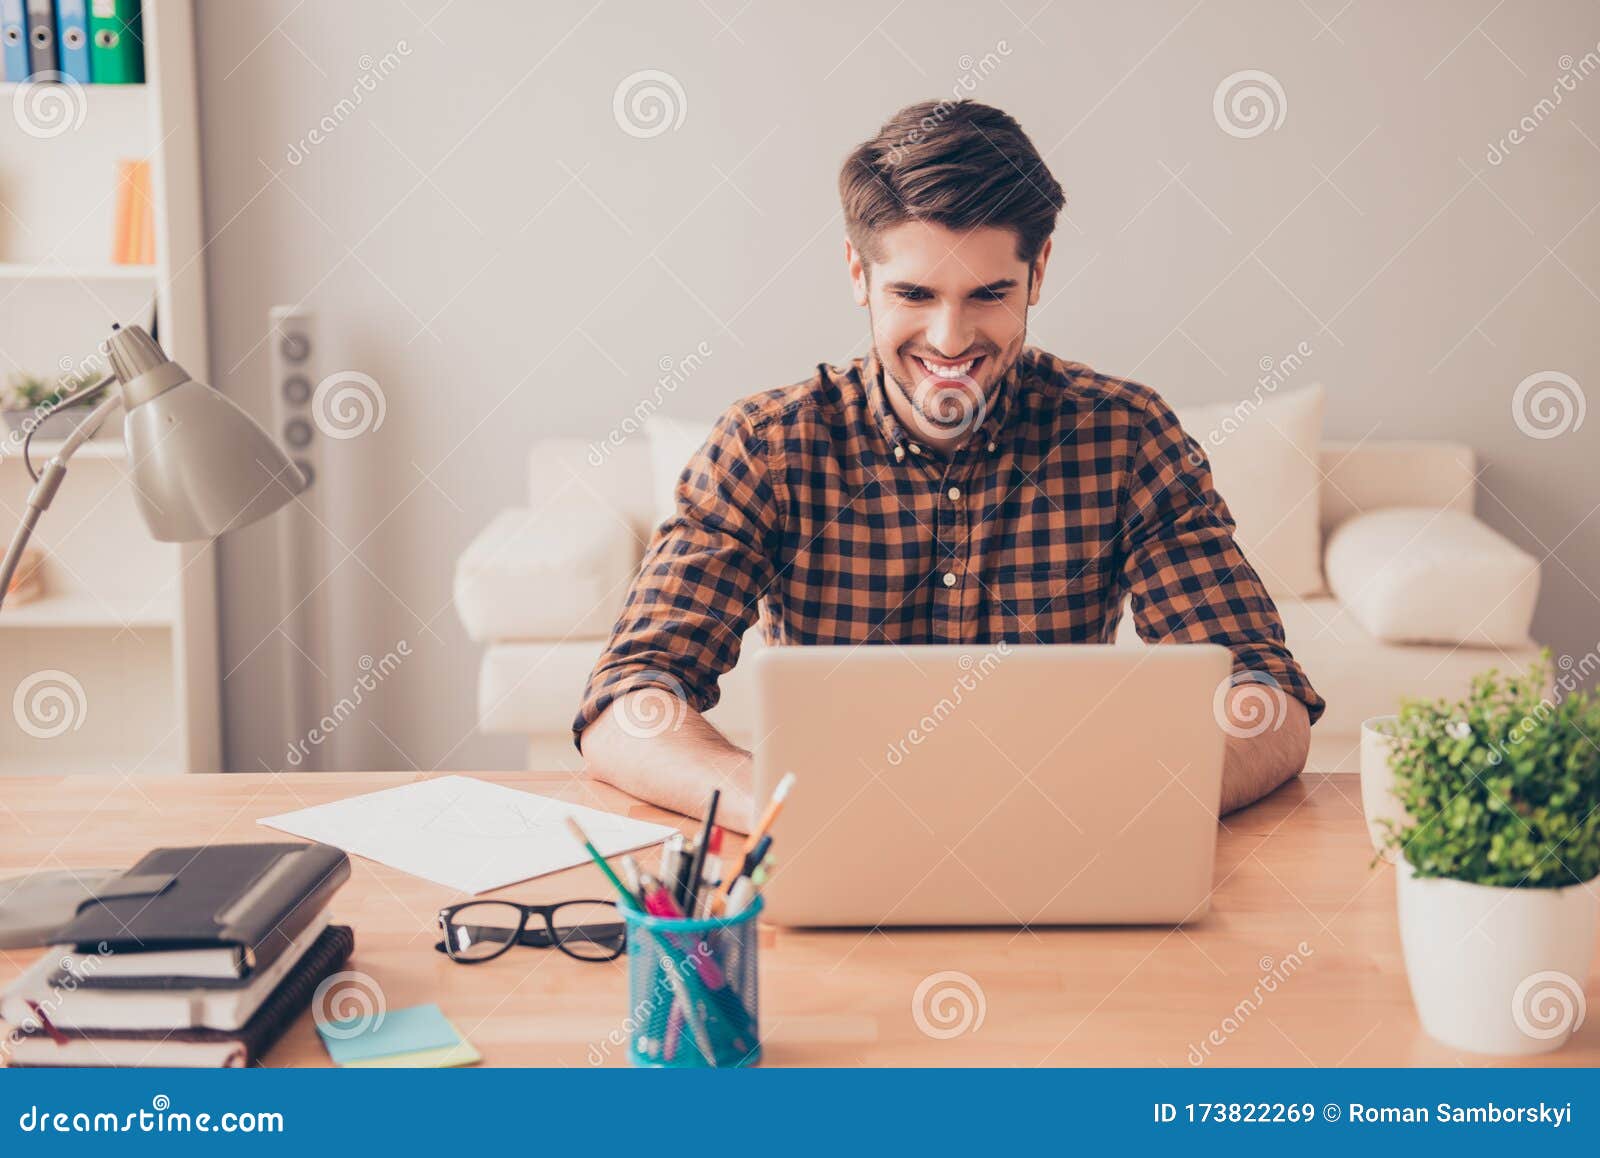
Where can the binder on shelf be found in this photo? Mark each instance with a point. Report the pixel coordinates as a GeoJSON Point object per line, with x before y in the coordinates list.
{"type": "Point", "coordinates": [116, 42]}
{"type": "Point", "coordinates": [72, 39]}
{"type": "Point", "coordinates": [41, 39]}
{"type": "Point", "coordinates": [14, 35]}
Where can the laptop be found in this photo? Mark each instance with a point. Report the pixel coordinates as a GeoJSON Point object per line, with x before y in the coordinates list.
{"type": "Point", "coordinates": [991, 784]}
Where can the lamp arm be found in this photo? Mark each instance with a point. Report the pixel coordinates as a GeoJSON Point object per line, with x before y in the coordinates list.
{"type": "Point", "coordinates": [58, 405]}
{"type": "Point", "coordinates": [44, 490]}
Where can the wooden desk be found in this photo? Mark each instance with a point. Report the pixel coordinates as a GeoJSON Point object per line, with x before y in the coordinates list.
{"type": "Point", "coordinates": [1292, 869]}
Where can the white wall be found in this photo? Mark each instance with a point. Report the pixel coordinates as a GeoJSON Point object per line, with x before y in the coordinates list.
{"type": "Point", "coordinates": [480, 236]}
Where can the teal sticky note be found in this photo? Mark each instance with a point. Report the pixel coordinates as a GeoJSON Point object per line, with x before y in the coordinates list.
{"type": "Point", "coordinates": [397, 1031]}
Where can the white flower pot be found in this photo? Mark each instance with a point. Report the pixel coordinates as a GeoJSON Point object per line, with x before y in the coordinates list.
{"type": "Point", "coordinates": [1497, 970]}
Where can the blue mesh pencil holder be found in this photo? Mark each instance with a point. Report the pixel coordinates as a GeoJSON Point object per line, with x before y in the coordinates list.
{"type": "Point", "coordinates": [692, 990]}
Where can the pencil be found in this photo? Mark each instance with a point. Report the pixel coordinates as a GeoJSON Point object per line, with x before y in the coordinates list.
{"type": "Point", "coordinates": [774, 806]}
{"type": "Point", "coordinates": [588, 846]}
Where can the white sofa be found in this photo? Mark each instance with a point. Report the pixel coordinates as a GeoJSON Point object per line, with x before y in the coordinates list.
{"type": "Point", "coordinates": [542, 585]}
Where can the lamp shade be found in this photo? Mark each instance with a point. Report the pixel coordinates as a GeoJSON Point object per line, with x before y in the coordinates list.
{"type": "Point", "coordinates": [200, 464]}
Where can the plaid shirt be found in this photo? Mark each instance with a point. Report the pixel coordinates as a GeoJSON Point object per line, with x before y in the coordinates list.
{"type": "Point", "coordinates": [810, 504]}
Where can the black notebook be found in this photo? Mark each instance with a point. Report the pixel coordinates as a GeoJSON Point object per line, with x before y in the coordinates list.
{"type": "Point", "coordinates": [49, 1046]}
{"type": "Point", "coordinates": [208, 916]}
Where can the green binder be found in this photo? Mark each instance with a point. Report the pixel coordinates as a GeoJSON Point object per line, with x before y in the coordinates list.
{"type": "Point", "coordinates": [116, 42]}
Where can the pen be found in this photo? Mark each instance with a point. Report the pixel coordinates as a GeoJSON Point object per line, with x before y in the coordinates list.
{"type": "Point", "coordinates": [713, 874]}
{"type": "Point", "coordinates": [698, 864]}
{"type": "Point", "coordinates": [630, 874]}
{"type": "Point", "coordinates": [744, 891]}
{"type": "Point", "coordinates": [578, 834]}
{"type": "Point", "coordinates": [672, 862]}
{"type": "Point", "coordinates": [754, 859]}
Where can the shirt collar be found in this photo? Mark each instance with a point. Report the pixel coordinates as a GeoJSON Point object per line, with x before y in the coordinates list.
{"type": "Point", "coordinates": [870, 370]}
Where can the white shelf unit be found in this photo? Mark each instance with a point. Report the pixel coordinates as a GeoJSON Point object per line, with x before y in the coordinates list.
{"type": "Point", "coordinates": [132, 621]}
{"type": "Point", "coordinates": [51, 271]}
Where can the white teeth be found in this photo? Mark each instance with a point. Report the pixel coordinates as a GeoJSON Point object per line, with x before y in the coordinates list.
{"type": "Point", "coordinates": [957, 371]}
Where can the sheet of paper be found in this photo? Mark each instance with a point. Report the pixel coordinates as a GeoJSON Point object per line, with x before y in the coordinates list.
{"type": "Point", "coordinates": [468, 834]}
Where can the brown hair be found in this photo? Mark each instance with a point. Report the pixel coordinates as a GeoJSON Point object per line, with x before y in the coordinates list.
{"type": "Point", "coordinates": [959, 164]}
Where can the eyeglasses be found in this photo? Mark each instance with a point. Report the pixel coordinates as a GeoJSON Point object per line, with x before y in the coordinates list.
{"type": "Point", "coordinates": [479, 931]}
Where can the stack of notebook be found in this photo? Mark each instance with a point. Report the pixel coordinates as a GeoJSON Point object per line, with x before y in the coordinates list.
{"type": "Point", "coordinates": [193, 957]}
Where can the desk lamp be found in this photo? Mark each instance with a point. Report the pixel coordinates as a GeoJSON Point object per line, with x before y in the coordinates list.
{"type": "Point", "coordinates": [200, 464]}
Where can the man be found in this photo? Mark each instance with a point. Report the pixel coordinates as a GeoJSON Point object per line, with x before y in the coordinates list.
{"type": "Point", "coordinates": [955, 486]}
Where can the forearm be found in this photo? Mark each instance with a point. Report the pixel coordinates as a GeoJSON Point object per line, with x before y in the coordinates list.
{"type": "Point", "coordinates": [675, 767]}
{"type": "Point", "coordinates": [1263, 750]}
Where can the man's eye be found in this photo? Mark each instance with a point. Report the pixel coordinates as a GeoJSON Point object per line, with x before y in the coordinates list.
{"type": "Point", "coordinates": [990, 295]}
{"type": "Point", "coordinates": [913, 295]}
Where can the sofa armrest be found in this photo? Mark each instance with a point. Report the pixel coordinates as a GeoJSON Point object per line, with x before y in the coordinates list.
{"type": "Point", "coordinates": [1421, 575]}
{"type": "Point", "coordinates": [560, 572]}
{"type": "Point", "coordinates": [1374, 475]}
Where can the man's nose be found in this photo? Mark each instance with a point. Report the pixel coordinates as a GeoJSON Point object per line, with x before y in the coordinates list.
{"type": "Point", "coordinates": [949, 333]}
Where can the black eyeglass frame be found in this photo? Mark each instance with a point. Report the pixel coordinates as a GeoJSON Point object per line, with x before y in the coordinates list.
{"type": "Point", "coordinates": [535, 938]}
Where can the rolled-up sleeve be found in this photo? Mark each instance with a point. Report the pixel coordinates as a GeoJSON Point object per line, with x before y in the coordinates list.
{"type": "Point", "coordinates": [700, 584]}
{"type": "Point", "coordinates": [1187, 578]}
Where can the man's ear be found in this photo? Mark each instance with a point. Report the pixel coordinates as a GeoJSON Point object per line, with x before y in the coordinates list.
{"type": "Point", "coordinates": [858, 273]}
{"type": "Point", "coordinates": [1036, 272]}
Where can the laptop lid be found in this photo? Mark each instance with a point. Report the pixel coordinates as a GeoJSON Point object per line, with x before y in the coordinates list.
{"type": "Point", "coordinates": [1004, 784]}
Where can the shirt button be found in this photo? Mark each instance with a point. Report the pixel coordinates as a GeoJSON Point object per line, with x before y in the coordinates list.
{"type": "Point", "coordinates": [955, 494]}
{"type": "Point", "coordinates": [915, 449]}
{"type": "Point", "coordinates": [991, 448]}
{"type": "Point", "coordinates": [949, 579]}
{"type": "Point", "coordinates": [899, 454]}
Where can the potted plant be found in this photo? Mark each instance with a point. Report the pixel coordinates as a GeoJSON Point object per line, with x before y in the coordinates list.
{"type": "Point", "coordinates": [25, 397]}
{"type": "Point", "coordinates": [1499, 855]}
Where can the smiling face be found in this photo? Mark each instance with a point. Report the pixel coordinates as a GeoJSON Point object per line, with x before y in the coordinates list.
{"type": "Point", "coordinates": [949, 314]}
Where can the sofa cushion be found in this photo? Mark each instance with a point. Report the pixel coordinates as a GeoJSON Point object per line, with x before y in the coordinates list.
{"type": "Point", "coordinates": [1360, 676]}
{"type": "Point", "coordinates": [555, 573]}
{"type": "Point", "coordinates": [1264, 464]}
{"type": "Point", "coordinates": [1414, 575]}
